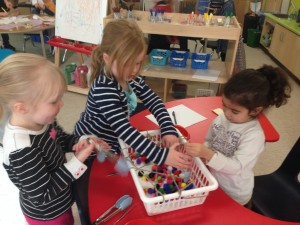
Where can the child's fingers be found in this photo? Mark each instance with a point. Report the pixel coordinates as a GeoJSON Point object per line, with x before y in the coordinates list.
{"type": "Point", "coordinates": [103, 144]}
{"type": "Point", "coordinates": [183, 164]}
{"type": "Point", "coordinates": [82, 144]}
{"type": "Point", "coordinates": [175, 145]}
{"type": "Point", "coordinates": [84, 153]}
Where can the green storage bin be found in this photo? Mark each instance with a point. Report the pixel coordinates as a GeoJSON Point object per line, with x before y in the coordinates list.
{"type": "Point", "coordinates": [253, 37]}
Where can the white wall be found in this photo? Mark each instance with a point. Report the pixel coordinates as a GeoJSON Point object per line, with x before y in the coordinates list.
{"type": "Point", "coordinates": [284, 6]}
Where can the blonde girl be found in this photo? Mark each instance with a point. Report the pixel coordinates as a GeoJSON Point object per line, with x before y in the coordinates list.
{"type": "Point", "coordinates": [34, 144]}
{"type": "Point", "coordinates": [115, 87]}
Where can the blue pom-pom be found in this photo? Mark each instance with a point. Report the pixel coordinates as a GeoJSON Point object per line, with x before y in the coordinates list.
{"type": "Point", "coordinates": [189, 186]}
{"type": "Point", "coordinates": [121, 167]}
{"type": "Point", "coordinates": [186, 176]}
{"type": "Point", "coordinates": [101, 156]}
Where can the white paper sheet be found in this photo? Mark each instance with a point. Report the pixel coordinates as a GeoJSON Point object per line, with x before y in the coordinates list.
{"type": "Point", "coordinates": [184, 116]}
{"type": "Point", "coordinates": [211, 75]}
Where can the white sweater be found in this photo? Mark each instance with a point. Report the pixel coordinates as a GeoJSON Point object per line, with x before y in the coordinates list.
{"type": "Point", "coordinates": [237, 147]}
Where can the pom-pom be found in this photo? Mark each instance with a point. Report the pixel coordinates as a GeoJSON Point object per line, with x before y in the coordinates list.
{"type": "Point", "coordinates": [121, 167]}
{"type": "Point", "coordinates": [101, 156]}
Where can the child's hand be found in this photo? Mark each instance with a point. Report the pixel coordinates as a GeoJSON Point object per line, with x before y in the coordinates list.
{"type": "Point", "coordinates": [98, 143]}
{"type": "Point", "coordinates": [199, 150]}
{"type": "Point", "coordinates": [178, 159]}
{"type": "Point", "coordinates": [169, 140]}
{"type": "Point", "coordinates": [9, 5]}
{"type": "Point", "coordinates": [83, 149]}
{"type": "Point", "coordinates": [193, 149]}
{"type": "Point", "coordinates": [4, 14]}
{"type": "Point", "coordinates": [41, 6]}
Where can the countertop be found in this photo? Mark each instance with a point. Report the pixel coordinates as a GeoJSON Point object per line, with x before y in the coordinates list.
{"type": "Point", "coordinates": [291, 25]}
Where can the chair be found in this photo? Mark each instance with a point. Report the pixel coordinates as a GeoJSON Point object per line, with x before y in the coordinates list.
{"type": "Point", "coordinates": [4, 52]}
{"type": "Point", "coordinates": [277, 195]}
{"type": "Point", "coordinates": [35, 38]}
{"type": "Point", "coordinates": [202, 6]}
{"type": "Point", "coordinates": [214, 6]}
{"type": "Point", "coordinates": [189, 6]}
{"type": "Point", "coordinates": [209, 43]}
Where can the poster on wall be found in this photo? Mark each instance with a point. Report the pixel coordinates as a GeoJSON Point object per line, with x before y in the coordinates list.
{"type": "Point", "coordinates": [80, 20]}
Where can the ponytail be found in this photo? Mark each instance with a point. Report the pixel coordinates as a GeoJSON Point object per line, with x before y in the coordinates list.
{"type": "Point", "coordinates": [280, 88]}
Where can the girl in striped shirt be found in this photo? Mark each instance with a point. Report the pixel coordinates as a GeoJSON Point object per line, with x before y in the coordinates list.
{"type": "Point", "coordinates": [115, 87]}
{"type": "Point", "coordinates": [34, 144]}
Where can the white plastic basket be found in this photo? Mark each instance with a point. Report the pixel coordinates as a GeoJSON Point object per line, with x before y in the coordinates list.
{"type": "Point", "coordinates": [202, 179]}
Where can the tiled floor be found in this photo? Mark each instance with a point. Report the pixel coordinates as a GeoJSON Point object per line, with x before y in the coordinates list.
{"type": "Point", "coordinates": [285, 119]}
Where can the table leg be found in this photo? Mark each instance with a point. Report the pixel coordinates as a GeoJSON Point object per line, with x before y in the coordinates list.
{"type": "Point", "coordinates": [205, 45]}
{"type": "Point", "coordinates": [80, 58]}
{"type": "Point", "coordinates": [165, 90]}
{"type": "Point", "coordinates": [56, 56]}
{"type": "Point", "coordinates": [42, 43]}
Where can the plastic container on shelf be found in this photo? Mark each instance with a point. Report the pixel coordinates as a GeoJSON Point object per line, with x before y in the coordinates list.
{"type": "Point", "coordinates": [69, 70]}
{"type": "Point", "coordinates": [200, 60]}
{"type": "Point", "coordinates": [80, 76]}
{"type": "Point", "coordinates": [159, 57]}
{"type": "Point", "coordinates": [179, 58]}
{"type": "Point", "coordinates": [202, 180]}
{"type": "Point", "coordinates": [179, 90]}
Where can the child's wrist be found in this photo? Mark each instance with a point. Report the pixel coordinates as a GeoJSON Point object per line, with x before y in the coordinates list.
{"type": "Point", "coordinates": [208, 153]}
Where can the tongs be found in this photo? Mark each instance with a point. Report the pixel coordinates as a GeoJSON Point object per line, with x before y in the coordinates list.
{"type": "Point", "coordinates": [120, 205]}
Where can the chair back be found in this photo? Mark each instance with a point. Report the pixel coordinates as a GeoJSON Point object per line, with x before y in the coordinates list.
{"type": "Point", "coordinates": [216, 4]}
{"type": "Point", "coordinates": [188, 6]}
{"type": "Point", "coordinates": [291, 165]}
{"type": "Point", "coordinates": [4, 52]}
{"type": "Point", "coordinates": [164, 8]}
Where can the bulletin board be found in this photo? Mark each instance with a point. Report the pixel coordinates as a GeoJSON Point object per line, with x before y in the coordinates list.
{"type": "Point", "coordinates": [80, 20]}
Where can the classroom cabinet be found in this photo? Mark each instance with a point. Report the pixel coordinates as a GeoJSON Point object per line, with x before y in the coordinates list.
{"type": "Point", "coordinates": [284, 45]}
{"type": "Point", "coordinates": [177, 28]}
{"type": "Point", "coordinates": [241, 8]}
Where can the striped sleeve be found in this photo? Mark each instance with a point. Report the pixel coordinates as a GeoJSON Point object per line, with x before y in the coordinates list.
{"type": "Point", "coordinates": [108, 102]}
{"type": "Point", "coordinates": [155, 105]}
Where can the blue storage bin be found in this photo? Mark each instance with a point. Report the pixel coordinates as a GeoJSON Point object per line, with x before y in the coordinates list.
{"type": "Point", "coordinates": [37, 38]}
{"type": "Point", "coordinates": [178, 58]}
{"type": "Point", "coordinates": [159, 57]}
{"type": "Point", "coordinates": [200, 60]}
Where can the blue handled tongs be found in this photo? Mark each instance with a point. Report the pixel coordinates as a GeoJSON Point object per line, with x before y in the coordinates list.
{"type": "Point", "coordinates": [119, 206]}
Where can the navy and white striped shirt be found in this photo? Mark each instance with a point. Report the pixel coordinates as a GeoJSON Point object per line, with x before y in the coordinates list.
{"type": "Point", "coordinates": [106, 116]}
{"type": "Point", "coordinates": [35, 162]}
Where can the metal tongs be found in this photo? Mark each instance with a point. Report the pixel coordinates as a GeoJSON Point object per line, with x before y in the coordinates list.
{"type": "Point", "coordinates": [120, 205]}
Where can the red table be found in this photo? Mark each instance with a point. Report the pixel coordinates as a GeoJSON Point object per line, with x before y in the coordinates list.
{"type": "Point", "coordinates": [218, 208]}
{"type": "Point", "coordinates": [204, 106]}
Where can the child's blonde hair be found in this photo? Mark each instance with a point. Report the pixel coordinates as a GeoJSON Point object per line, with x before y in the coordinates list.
{"type": "Point", "coordinates": [28, 78]}
{"type": "Point", "coordinates": [123, 41]}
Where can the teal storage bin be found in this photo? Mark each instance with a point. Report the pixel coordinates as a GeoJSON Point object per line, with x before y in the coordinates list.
{"type": "Point", "coordinates": [159, 57]}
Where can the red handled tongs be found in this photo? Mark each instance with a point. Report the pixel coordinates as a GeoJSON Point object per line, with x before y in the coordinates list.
{"type": "Point", "coordinates": [119, 206]}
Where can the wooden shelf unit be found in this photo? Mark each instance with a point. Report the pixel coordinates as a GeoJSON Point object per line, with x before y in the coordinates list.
{"type": "Point", "coordinates": [177, 28]}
